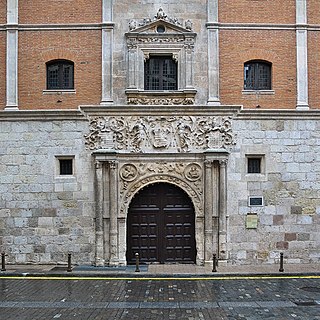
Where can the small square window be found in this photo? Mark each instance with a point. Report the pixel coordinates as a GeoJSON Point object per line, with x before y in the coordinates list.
{"type": "Point", "coordinates": [254, 165]}
{"type": "Point", "coordinates": [65, 166]}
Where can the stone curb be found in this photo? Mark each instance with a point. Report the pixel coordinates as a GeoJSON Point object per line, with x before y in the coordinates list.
{"type": "Point", "coordinates": [134, 275]}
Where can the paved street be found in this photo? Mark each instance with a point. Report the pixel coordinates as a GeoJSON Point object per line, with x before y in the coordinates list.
{"type": "Point", "coordinates": [112, 298]}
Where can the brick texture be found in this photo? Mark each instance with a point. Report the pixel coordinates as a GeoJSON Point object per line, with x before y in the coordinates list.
{"type": "Point", "coordinates": [60, 11]}
{"type": "Point", "coordinates": [3, 11]}
{"type": "Point", "coordinates": [36, 48]}
{"type": "Point", "coordinates": [257, 11]}
{"type": "Point", "coordinates": [313, 11]}
{"type": "Point", "coordinates": [314, 69]}
{"type": "Point", "coordinates": [277, 47]}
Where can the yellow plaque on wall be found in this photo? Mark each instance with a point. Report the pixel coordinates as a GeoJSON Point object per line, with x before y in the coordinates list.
{"type": "Point", "coordinates": [252, 221]}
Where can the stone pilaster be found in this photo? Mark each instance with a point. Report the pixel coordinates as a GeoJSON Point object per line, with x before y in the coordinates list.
{"type": "Point", "coordinates": [208, 211]}
{"type": "Point", "coordinates": [302, 55]}
{"type": "Point", "coordinates": [114, 255]}
{"type": "Point", "coordinates": [213, 53]}
{"type": "Point", "coordinates": [223, 211]}
{"type": "Point", "coordinates": [99, 256]}
{"type": "Point", "coordinates": [12, 55]}
{"type": "Point", "coordinates": [107, 52]}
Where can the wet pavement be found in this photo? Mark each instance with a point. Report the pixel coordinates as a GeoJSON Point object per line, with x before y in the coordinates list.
{"type": "Point", "coordinates": [254, 297]}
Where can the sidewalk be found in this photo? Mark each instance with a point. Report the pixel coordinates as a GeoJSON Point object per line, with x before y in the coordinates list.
{"type": "Point", "coordinates": [162, 270]}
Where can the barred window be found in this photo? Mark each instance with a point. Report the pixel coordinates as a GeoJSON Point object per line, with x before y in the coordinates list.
{"type": "Point", "coordinates": [257, 75]}
{"type": "Point", "coordinates": [60, 75]}
{"type": "Point", "coordinates": [160, 73]}
{"type": "Point", "coordinates": [254, 165]}
{"type": "Point", "coordinates": [65, 166]}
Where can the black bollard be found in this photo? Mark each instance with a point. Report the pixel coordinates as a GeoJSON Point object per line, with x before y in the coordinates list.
{"type": "Point", "coordinates": [281, 262]}
{"type": "Point", "coordinates": [3, 261]}
{"type": "Point", "coordinates": [69, 269]}
{"type": "Point", "coordinates": [214, 263]}
{"type": "Point", "coordinates": [137, 262]}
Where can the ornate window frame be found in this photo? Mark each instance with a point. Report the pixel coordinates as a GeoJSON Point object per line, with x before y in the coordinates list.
{"type": "Point", "coordinates": [160, 36]}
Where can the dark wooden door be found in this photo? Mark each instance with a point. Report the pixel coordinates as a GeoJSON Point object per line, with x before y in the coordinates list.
{"type": "Point", "coordinates": [161, 226]}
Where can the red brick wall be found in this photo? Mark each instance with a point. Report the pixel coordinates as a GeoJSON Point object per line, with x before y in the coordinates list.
{"type": "Point", "coordinates": [277, 47]}
{"type": "Point", "coordinates": [313, 7]}
{"type": "Point", "coordinates": [60, 11]}
{"type": "Point", "coordinates": [257, 11]}
{"type": "Point", "coordinates": [3, 39]}
{"type": "Point", "coordinates": [36, 48]}
{"type": "Point", "coordinates": [3, 11]}
{"type": "Point", "coordinates": [314, 69]}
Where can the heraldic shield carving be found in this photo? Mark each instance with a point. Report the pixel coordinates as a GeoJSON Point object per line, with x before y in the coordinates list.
{"type": "Point", "coordinates": [143, 134]}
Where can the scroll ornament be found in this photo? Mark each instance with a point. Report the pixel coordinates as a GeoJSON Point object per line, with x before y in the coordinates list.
{"type": "Point", "coordinates": [139, 134]}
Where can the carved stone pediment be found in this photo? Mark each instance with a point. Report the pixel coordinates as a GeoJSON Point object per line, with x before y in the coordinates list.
{"type": "Point", "coordinates": [150, 25]}
{"type": "Point", "coordinates": [160, 30]}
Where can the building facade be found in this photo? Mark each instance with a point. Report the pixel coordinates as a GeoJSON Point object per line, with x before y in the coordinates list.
{"type": "Point", "coordinates": [172, 129]}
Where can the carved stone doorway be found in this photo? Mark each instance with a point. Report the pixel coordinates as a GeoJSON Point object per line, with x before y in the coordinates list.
{"type": "Point", "coordinates": [161, 226]}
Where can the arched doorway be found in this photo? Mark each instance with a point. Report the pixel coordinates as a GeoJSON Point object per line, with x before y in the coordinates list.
{"type": "Point", "coordinates": [161, 226]}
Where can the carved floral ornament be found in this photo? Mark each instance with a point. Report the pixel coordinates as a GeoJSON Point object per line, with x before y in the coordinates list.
{"type": "Point", "coordinates": [141, 134]}
{"type": "Point", "coordinates": [160, 16]}
{"type": "Point", "coordinates": [187, 176]}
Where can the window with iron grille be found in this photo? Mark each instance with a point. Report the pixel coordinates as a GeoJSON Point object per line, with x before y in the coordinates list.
{"type": "Point", "coordinates": [160, 73]}
{"type": "Point", "coordinates": [66, 166]}
{"type": "Point", "coordinates": [254, 165]}
{"type": "Point", "coordinates": [257, 75]}
{"type": "Point", "coordinates": [60, 75]}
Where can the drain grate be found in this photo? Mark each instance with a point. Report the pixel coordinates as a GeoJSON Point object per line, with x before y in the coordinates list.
{"type": "Point", "coordinates": [311, 289]}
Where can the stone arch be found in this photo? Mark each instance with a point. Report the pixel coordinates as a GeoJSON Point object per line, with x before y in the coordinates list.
{"type": "Point", "coordinates": [128, 195]}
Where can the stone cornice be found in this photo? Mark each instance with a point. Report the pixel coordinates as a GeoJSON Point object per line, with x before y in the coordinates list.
{"type": "Point", "coordinates": [124, 110]}
{"type": "Point", "coordinates": [261, 26]}
{"type": "Point", "coordinates": [48, 27]}
{"type": "Point", "coordinates": [146, 110]}
{"type": "Point", "coordinates": [281, 114]}
{"type": "Point", "coordinates": [40, 115]}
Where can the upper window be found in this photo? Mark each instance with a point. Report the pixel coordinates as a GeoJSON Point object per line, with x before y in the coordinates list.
{"type": "Point", "coordinates": [160, 73]}
{"type": "Point", "coordinates": [60, 75]}
{"type": "Point", "coordinates": [257, 75]}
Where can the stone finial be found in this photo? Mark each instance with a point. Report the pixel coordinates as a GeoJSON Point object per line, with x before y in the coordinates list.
{"type": "Point", "coordinates": [161, 14]}
{"type": "Point", "coordinates": [188, 25]}
{"type": "Point", "coordinates": [132, 25]}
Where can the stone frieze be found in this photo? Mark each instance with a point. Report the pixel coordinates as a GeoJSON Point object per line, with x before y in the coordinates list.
{"type": "Point", "coordinates": [154, 134]}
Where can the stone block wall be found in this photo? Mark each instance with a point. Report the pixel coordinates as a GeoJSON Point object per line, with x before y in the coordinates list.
{"type": "Point", "coordinates": [45, 216]}
{"type": "Point", "coordinates": [289, 219]}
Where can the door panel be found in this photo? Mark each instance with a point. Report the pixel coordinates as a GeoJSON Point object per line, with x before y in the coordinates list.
{"type": "Point", "coordinates": [160, 226]}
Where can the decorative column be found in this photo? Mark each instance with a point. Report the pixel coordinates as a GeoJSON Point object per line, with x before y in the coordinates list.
{"type": "Point", "coordinates": [132, 63]}
{"type": "Point", "coordinates": [302, 55]}
{"type": "Point", "coordinates": [114, 256]}
{"type": "Point", "coordinates": [189, 47]}
{"type": "Point", "coordinates": [208, 211]}
{"type": "Point", "coordinates": [12, 55]}
{"type": "Point", "coordinates": [99, 255]}
{"type": "Point", "coordinates": [223, 211]}
{"type": "Point", "coordinates": [107, 52]}
{"type": "Point", "coordinates": [213, 53]}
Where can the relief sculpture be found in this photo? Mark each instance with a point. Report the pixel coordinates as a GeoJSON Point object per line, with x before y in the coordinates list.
{"type": "Point", "coordinates": [137, 175]}
{"type": "Point", "coordinates": [139, 134]}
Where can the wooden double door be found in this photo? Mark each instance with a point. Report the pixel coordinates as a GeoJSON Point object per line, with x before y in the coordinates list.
{"type": "Point", "coordinates": [161, 226]}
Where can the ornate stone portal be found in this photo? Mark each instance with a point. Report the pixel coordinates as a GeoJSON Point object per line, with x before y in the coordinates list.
{"type": "Point", "coordinates": [152, 146]}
